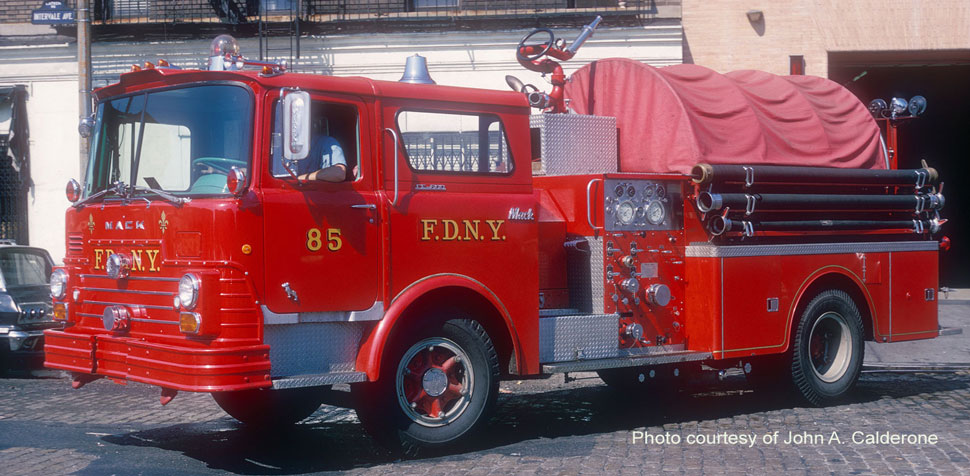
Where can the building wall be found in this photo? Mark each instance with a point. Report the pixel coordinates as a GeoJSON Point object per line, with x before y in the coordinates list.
{"type": "Point", "coordinates": [467, 58]}
{"type": "Point", "coordinates": [720, 36]}
{"type": "Point", "coordinates": [50, 74]}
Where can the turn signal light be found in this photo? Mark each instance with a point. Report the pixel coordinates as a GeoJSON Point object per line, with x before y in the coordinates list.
{"type": "Point", "coordinates": [73, 191]}
{"type": "Point", "coordinates": [189, 322]}
{"type": "Point", "coordinates": [60, 311]}
{"type": "Point", "coordinates": [236, 181]}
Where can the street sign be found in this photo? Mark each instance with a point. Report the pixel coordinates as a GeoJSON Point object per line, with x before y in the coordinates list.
{"type": "Point", "coordinates": [53, 12]}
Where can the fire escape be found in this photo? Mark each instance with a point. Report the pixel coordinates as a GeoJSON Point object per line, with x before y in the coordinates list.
{"type": "Point", "coordinates": [279, 30]}
{"type": "Point", "coordinates": [277, 22]}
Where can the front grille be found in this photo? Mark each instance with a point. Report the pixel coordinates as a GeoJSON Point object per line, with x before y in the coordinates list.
{"type": "Point", "coordinates": [155, 295]}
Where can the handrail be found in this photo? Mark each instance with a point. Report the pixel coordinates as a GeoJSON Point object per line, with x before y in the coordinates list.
{"type": "Point", "coordinates": [589, 217]}
{"type": "Point", "coordinates": [396, 159]}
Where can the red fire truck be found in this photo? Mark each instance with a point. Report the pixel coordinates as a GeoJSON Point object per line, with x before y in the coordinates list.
{"type": "Point", "coordinates": [647, 224]}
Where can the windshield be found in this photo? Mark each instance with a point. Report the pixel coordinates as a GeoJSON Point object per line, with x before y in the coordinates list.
{"type": "Point", "coordinates": [182, 141]}
{"type": "Point", "coordinates": [22, 268]}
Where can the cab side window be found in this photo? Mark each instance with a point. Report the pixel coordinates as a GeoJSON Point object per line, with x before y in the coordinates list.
{"type": "Point", "coordinates": [455, 143]}
{"type": "Point", "coordinates": [334, 132]}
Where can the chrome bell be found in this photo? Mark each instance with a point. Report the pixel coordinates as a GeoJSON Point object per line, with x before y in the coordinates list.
{"type": "Point", "coordinates": [416, 71]}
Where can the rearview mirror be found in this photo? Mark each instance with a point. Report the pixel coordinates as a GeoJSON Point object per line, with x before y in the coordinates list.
{"type": "Point", "coordinates": [296, 125]}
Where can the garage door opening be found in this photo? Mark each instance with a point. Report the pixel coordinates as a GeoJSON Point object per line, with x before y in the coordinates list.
{"type": "Point", "coordinates": [940, 135]}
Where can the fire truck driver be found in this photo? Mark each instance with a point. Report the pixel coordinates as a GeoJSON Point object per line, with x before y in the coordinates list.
{"type": "Point", "coordinates": [326, 161]}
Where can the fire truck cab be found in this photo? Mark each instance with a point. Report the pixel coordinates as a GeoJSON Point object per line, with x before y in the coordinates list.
{"type": "Point", "coordinates": [264, 235]}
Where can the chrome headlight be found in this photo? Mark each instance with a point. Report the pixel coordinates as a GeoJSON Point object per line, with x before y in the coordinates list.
{"type": "Point", "coordinates": [189, 290]}
{"type": "Point", "coordinates": [58, 283]}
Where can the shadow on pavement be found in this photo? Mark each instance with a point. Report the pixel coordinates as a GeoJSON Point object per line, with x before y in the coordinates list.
{"type": "Point", "coordinates": [531, 421]}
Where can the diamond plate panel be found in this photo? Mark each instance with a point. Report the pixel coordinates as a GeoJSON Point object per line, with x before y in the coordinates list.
{"type": "Point", "coordinates": [584, 276]}
{"type": "Point", "coordinates": [312, 348]}
{"type": "Point", "coordinates": [574, 144]}
{"type": "Point", "coordinates": [588, 336]}
{"type": "Point", "coordinates": [318, 380]}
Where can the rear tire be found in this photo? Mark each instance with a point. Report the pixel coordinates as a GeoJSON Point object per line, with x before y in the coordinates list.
{"type": "Point", "coordinates": [828, 350]}
{"type": "Point", "coordinates": [436, 389]}
{"type": "Point", "coordinates": [269, 407]}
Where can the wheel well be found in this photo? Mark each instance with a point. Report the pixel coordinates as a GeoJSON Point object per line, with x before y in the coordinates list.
{"type": "Point", "coordinates": [843, 283]}
{"type": "Point", "coordinates": [467, 301]}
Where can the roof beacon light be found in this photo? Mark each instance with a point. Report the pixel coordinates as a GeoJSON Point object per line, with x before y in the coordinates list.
{"type": "Point", "coordinates": [223, 52]}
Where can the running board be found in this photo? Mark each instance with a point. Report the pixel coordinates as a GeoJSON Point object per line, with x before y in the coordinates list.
{"type": "Point", "coordinates": [318, 380]}
{"type": "Point", "coordinates": [627, 361]}
{"type": "Point", "coordinates": [951, 331]}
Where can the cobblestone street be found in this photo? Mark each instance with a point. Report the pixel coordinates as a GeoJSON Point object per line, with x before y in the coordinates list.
{"type": "Point", "coordinates": [542, 426]}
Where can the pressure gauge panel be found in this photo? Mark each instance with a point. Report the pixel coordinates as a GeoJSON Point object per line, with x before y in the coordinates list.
{"type": "Point", "coordinates": [638, 205]}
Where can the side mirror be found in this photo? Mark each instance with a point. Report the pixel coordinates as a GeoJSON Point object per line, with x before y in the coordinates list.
{"type": "Point", "coordinates": [296, 125]}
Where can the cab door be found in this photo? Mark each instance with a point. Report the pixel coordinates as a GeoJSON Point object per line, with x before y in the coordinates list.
{"type": "Point", "coordinates": [322, 238]}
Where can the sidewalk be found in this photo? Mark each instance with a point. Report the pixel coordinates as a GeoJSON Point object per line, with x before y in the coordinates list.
{"type": "Point", "coordinates": [954, 312]}
{"type": "Point", "coordinates": [955, 296]}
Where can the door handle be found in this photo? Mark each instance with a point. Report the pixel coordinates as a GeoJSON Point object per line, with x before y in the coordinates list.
{"type": "Point", "coordinates": [367, 206]}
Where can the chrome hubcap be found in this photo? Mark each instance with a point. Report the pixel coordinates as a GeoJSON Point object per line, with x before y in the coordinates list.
{"type": "Point", "coordinates": [434, 382]}
{"type": "Point", "coordinates": [830, 347]}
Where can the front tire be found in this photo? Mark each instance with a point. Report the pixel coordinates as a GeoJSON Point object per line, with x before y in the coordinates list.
{"type": "Point", "coordinates": [435, 390]}
{"type": "Point", "coordinates": [269, 407]}
{"type": "Point", "coordinates": [828, 350]}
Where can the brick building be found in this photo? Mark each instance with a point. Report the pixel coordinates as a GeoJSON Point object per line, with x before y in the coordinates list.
{"type": "Point", "coordinates": [877, 49]}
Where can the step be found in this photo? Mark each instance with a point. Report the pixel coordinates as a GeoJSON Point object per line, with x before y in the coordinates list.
{"type": "Point", "coordinates": [316, 380]}
{"type": "Point", "coordinates": [625, 361]}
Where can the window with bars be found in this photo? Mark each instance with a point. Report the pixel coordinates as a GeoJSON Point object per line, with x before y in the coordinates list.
{"type": "Point", "coordinates": [455, 143]}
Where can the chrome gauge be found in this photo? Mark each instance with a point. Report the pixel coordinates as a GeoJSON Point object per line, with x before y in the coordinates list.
{"type": "Point", "coordinates": [656, 213]}
{"type": "Point", "coordinates": [641, 204]}
{"type": "Point", "coordinates": [625, 212]}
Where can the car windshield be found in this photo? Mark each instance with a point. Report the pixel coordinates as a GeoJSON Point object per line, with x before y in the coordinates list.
{"type": "Point", "coordinates": [184, 141]}
{"type": "Point", "coordinates": [22, 268]}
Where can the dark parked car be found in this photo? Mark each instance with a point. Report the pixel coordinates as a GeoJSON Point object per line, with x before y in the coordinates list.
{"type": "Point", "coordinates": [25, 305]}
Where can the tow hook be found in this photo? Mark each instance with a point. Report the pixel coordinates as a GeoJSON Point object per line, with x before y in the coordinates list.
{"type": "Point", "coordinates": [81, 380]}
{"type": "Point", "coordinates": [167, 395]}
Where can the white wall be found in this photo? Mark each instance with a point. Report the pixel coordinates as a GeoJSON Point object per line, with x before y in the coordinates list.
{"type": "Point", "coordinates": [472, 59]}
{"type": "Point", "coordinates": [50, 75]}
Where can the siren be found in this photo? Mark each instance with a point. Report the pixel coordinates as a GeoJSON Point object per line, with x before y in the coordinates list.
{"type": "Point", "coordinates": [416, 71]}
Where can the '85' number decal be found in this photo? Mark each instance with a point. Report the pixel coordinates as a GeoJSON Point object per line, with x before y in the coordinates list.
{"type": "Point", "coordinates": [314, 239]}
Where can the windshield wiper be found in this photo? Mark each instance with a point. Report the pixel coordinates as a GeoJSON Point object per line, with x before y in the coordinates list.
{"type": "Point", "coordinates": [178, 201]}
{"type": "Point", "coordinates": [117, 188]}
{"type": "Point", "coordinates": [126, 192]}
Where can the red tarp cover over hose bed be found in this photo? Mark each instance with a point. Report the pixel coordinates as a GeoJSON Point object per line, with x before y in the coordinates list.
{"type": "Point", "coordinates": [672, 118]}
